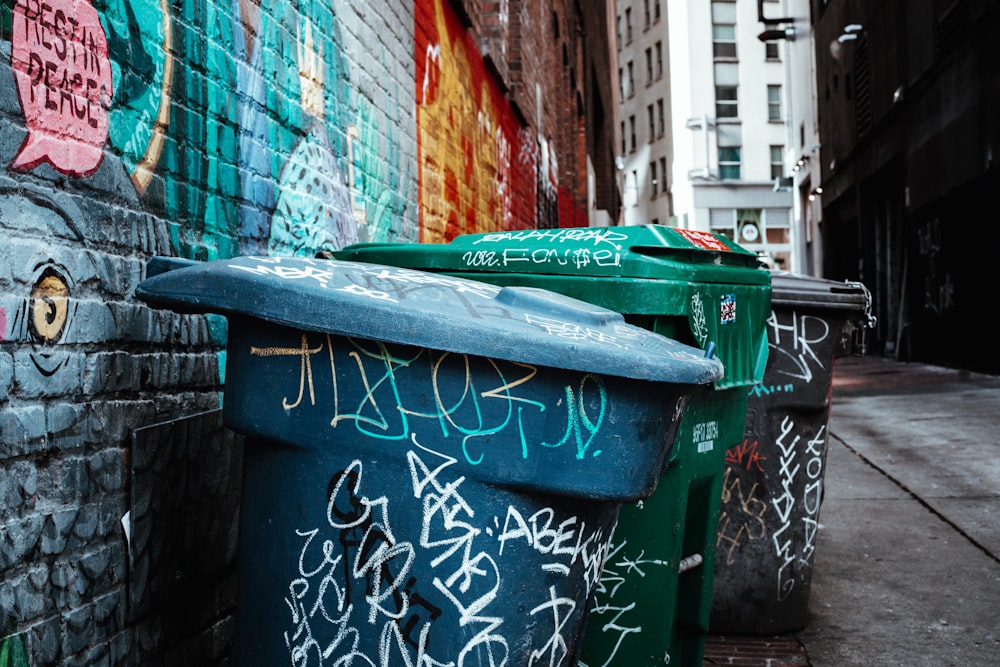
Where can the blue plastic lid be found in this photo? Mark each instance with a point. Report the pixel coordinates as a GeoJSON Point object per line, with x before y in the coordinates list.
{"type": "Point", "coordinates": [430, 310]}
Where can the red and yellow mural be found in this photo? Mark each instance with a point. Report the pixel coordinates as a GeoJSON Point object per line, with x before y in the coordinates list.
{"type": "Point", "coordinates": [477, 168]}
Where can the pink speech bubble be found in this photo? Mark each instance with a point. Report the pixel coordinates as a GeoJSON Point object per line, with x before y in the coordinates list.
{"type": "Point", "coordinates": [59, 53]}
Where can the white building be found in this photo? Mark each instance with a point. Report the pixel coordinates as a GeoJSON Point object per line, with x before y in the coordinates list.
{"type": "Point", "coordinates": [715, 121]}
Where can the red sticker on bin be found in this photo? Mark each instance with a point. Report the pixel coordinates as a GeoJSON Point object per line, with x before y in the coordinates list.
{"type": "Point", "coordinates": [702, 239]}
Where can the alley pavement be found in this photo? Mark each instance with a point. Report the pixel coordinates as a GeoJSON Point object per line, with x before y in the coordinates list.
{"type": "Point", "coordinates": [907, 562]}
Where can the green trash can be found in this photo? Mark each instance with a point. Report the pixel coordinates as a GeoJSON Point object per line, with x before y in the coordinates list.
{"type": "Point", "coordinates": [653, 603]}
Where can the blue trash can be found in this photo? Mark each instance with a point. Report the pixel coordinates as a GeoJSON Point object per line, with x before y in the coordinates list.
{"type": "Point", "coordinates": [434, 466]}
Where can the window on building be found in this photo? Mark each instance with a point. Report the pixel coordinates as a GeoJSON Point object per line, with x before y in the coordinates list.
{"type": "Point", "coordinates": [730, 140]}
{"type": "Point", "coordinates": [618, 31]}
{"type": "Point", "coordinates": [631, 131]}
{"type": "Point", "coordinates": [729, 163]}
{"type": "Point", "coordinates": [771, 51]}
{"type": "Point", "coordinates": [660, 121]}
{"type": "Point", "coordinates": [656, 10]}
{"type": "Point", "coordinates": [723, 221]}
{"type": "Point", "coordinates": [631, 80]}
{"type": "Point", "coordinates": [723, 30]}
{"type": "Point", "coordinates": [652, 124]}
{"type": "Point", "coordinates": [646, 12]}
{"type": "Point", "coordinates": [652, 179]}
{"type": "Point", "coordinates": [777, 164]}
{"type": "Point", "coordinates": [727, 78]}
{"type": "Point", "coordinates": [663, 175]}
{"type": "Point", "coordinates": [649, 66]}
{"type": "Point", "coordinates": [628, 26]}
{"type": "Point", "coordinates": [659, 60]}
{"type": "Point", "coordinates": [726, 102]}
{"type": "Point", "coordinates": [621, 84]}
{"type": "Point", "coordinates": [623, 138]}
{"type": "Point", "coordinates": [774, 103]}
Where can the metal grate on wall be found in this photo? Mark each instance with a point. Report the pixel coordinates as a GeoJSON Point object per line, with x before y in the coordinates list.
{"type": "Point", "coordinates": [952, 28]}
{"type": "Point", "coordinates": [863, 86]}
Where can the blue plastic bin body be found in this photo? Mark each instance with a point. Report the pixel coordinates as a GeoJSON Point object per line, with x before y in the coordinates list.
{"type": "Point", "coordinates": [433, 466]}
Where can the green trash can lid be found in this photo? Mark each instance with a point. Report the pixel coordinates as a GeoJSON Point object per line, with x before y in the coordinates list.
{"type": "Point", "coordinates": [640, 251]}
{"type": "Point", "coordinates": [405, 306]}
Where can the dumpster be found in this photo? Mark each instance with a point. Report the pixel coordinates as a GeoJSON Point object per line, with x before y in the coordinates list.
{"type": "Point", "coordinates": [774, 479]}
{"type": "Point", "coordinates": [433, 466]}
{"type": "Point", "coordinates": [653, 602]}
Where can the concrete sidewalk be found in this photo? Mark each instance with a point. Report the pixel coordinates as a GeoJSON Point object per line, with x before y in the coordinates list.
{"type": "Point", "coordinates": [907, 566]}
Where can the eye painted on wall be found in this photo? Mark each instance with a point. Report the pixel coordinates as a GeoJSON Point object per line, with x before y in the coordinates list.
{"type": "Point", "coordinates": [49, 307]}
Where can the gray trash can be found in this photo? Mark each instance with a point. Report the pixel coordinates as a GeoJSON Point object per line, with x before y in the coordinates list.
{"type": "Point", "coordinates": [773, 483]}
{"type": "Point", "coordinates": [434, 466]}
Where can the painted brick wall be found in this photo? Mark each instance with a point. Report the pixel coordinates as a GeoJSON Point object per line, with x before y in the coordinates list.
{"type": "Point", "coordinates": [134, 128]}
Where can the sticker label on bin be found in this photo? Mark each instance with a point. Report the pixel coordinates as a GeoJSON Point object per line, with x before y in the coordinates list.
{"type": "Point", "coordinates": [705, 435]}
{"type": "Point", "coordinates": [702, 239]}
{"type": "Point", "coordinates": [727, 309]}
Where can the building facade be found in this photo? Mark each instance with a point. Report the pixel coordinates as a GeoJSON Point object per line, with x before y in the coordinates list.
{"type": "Point", "coordinates": [711, 130]}
{"type": "Point", "coordinates": [909, 110]}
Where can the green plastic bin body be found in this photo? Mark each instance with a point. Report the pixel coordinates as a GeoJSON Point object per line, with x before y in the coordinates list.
{"type": "Point", "coordinates": [653, 603]}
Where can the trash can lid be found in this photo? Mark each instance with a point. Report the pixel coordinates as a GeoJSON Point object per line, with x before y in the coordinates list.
{"type": "Point", "coordinates": [635, 251]}
{"type": "Point", "coordinates": [796, 289]}
{"type": "Point", "coordinates": [436, 311]}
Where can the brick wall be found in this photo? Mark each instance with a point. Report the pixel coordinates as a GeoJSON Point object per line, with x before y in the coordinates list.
{"type": "Point", "coordinates": [211, 131]}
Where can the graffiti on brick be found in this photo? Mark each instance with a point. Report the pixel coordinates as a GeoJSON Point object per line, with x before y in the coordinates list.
{"type": "Point", "coordinates": [939, 287]}
{"type": "Point", "coordinates": [310, 177]}
{"type": "Point", "coordinates": [59, 55]}
{"type": "Point", "coordinates": [44, 317]}
{"type": "Point", "coordinates": [469, 138]}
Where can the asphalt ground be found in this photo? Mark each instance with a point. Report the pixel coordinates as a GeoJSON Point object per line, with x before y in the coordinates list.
{"type": "Point", "coordinates": [907, 561]}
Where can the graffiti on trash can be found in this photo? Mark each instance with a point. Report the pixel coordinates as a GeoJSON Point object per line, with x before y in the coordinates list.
{"type": "Point", "coordinates": [790, 546]}
{"type": "Point", "coordinates": [357, 570]}
{"type": "Point", "coordinates": [619, 618]}
{"type": "Point", "coordinates": [786, 511]}
{"type": "Point", "coordinates": [607, 250]}
{"type": "Point", "coordinates": [742, 516]}
{"type": "Point", "coordinates": [481, 397]}
{"type": "Point", "coordinates": [797, 357]}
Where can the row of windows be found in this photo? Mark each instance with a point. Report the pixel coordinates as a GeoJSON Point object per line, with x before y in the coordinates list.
{"type": "Point", "coordinates": [725, 107]}
{"type": "Point", "coordinates": [651, 14]}
{"type": "Point", "coordinates": [654, 71]}
{"type": "Point", "coordinates": [657, 124]}
{"type": "Point", "coordinates": [658, 184]}
{"type": "Point", "coordinates": [724, 33]}
{"type": "Point", "coordinates": [730, 162]}
{"type": "Point", "coordinates": [727, 100]}
{"type": "Point", "coordinates": [729, 169]}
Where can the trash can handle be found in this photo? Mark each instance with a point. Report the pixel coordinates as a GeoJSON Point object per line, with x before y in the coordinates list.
{"type": "Point", "coordinates": [868, 320]}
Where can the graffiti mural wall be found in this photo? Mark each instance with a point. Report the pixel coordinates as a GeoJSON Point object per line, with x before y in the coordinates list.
{"type": "Point", "coordinates": [473, 157]}
{"type": "Point", "coordinates": [201, 130]}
